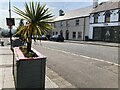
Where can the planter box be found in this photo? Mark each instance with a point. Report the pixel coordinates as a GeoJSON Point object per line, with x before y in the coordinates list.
{"type": "Point", "coordinates": [29, 72]}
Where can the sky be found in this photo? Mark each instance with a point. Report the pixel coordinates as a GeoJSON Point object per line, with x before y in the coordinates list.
{"type": "Point", "coordinates": [53, 5]}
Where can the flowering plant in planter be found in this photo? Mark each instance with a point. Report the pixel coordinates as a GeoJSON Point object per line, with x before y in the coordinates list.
{"type": "Point", "coordinates": [37, 18]}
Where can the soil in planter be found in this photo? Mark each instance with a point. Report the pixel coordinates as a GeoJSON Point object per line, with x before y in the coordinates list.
{"type": "Point", "coordinates": [27, 54]}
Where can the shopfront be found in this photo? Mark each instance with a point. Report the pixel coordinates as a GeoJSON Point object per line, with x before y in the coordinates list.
{"type": "Point", "coordinates": [109, 34]}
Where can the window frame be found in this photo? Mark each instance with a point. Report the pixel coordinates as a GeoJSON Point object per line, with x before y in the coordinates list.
{"type": "Point", "coordinates": [67, 23]}
{"type": "Point", "coordinates": [119, 17]}
{"type": "Point", "coordinates": [56, 33]}
{"type": "Point", "coordinates": [53, 33]}
{"type": "Point", "coordinates": [54, 24]}
{"type": "Point", "coordinates": [61, 23]}
{"type": "Point", "coordinates": [77, 22]}
{"type": "Point", "coordinates": [79, 36]}
{"type": "Point", "coordinates": [74, 35]}
{"type": "Point", "coordinates": [107, 16]}
{"type": "Point", "coordinates": [96, 19]}
{"type": "Point", "coordinates": [96, 16]}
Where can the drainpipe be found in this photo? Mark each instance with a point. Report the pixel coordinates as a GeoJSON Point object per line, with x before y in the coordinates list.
{"type": "Point", "coordinates": [84, 29]}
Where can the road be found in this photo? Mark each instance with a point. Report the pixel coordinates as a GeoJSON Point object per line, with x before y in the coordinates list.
{"type": "Point", "coordinates": [94, 51]}
{"type": "Point", "coordinates": [84, 66]}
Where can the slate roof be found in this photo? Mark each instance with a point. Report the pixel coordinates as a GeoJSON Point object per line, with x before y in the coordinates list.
{"type": "Point", "coordinates": [108, 5]}
{"type": "Point", "coordinates": [82, 12]}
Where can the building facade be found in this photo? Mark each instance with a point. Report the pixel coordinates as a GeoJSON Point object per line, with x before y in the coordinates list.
{"type": "Point", "coordinates": [105, 22]}
{"type": "Point", "coordinates": [73, 25]}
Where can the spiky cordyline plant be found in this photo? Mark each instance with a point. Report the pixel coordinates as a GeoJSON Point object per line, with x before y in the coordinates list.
{"type": "Point", "coordinates": [37, 18]}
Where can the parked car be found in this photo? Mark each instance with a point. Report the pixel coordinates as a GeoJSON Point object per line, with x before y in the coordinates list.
{"type": "Point", "coordinates": [57, 38]}
{"type": "Point", "coordinates": [43, 37]}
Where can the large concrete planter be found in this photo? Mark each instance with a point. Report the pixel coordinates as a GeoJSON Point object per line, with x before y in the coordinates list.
{"type": "Point", "coordinates": [29, 72]}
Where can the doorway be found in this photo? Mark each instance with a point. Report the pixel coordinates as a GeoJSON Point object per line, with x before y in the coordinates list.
{"type": "Point", "coordinates": [61, 33]}
{"type": "Point", "coordinates": [67, 34]}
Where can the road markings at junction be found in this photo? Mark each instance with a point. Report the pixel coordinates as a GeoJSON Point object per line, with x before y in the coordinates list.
{"type": "Point", "coordinates": [100, 60]}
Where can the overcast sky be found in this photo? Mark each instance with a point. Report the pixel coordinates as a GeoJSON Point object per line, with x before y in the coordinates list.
{"type": "Point", "coordinates": [53, 5]}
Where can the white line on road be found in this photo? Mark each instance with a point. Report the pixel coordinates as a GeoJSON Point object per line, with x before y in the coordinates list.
{"type": "Point", "coordinates": [100, 60]}
{"type": "Point", "coordinates": [64, 43]}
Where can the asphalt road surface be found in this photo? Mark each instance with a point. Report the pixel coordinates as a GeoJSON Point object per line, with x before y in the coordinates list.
{"type": "Point", "coordinates": [84, 66]}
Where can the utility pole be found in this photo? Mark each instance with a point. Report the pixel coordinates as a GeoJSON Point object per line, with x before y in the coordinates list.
{"type": "Point", "coordinates": [10, 27]}
{"type": "Point", "coordinates": [10, 23]}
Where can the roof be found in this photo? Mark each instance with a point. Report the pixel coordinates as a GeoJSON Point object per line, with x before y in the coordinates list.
{"type": "Point", "coordinates": [82, 12]}
{"type": "Point", "coordinates": [109, 5]}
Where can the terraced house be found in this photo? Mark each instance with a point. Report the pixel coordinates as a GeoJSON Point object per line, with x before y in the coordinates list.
{"type": "Point", "coordinates": [105, 22]}
{"type": "Point", "coordinates": [73, 25]}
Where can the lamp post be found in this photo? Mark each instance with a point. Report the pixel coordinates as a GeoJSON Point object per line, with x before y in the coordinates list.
{"type": "Point", "coordinates": [10, 27]}
{"type": "Point", "coordinates": [10, 23]}
{"type": "Point", "coordinates": [9, 9]}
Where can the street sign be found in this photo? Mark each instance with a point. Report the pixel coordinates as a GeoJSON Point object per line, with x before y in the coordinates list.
{"type": "Point", "coordinates": [10, 21]}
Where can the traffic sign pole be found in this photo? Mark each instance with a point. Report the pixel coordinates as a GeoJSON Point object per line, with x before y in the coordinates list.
{"type": "Point", "coordinates": [10, 27]}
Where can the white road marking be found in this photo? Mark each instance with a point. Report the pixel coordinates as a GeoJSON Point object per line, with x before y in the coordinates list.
{"type": "Point", "coordinates": [100, 60]}
{"type": "Point", "coordinates": [82, 44]}
{"type": "Point", "coordinates": [63, 43]}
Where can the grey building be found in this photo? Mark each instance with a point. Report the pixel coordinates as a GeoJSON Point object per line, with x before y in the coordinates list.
{"type": "Point", "coordinates": [73, 25]}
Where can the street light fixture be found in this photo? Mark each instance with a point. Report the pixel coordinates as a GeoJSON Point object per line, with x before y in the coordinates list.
{"type": "Point", "coordinates": [10, 23]}
{"type": "Point", "coordinates": [10, 27]}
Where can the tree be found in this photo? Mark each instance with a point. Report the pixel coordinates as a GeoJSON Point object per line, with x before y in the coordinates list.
{"type": "Point", "coordinates": [37, 18]}
{"type": "Point", "coordinates": [21, 23]}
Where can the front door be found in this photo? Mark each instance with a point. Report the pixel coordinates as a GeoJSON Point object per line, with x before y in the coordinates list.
{"type": "Point", "coordinates": [67, 34]}
{"type": "Point", "coordinates": [61, 33]}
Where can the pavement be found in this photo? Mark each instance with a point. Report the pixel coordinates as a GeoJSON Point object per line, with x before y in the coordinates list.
{"type": "Point", "coordinates": [52, 79]}
{"type": "Point", "coordinates": [110, 44]}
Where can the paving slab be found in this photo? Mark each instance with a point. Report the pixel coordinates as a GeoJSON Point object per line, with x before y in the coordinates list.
{"type": "Point", "coordinates": [1, 78]}
{"type": "Point", "coordinates": [60, 82]}
{"type": "Point", "coordinates": [49, 83]}
{"type": "Point", "coordinates": [6, 80]}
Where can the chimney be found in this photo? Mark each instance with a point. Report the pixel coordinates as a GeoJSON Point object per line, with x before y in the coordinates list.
{"type": "Point", "coordinates": [95, 3]}
{"type": "Point", "coordinates": [61, 12]}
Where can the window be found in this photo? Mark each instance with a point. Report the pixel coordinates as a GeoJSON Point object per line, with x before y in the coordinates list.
{"type": "Point", "coordinates": [107, 16]}
{"type": "Point", "coordinates": [95, 19]}
{"type": "Point", "coordinates": [61, 23]}
{"type": "Point", "coordinates": [77, 21]}
{"type": "Point", "coordinates": [61, 33]}
{"type": "Point", "coordinates": [96, 15]}
{"type": "Point", "coordinates": [119, 15]}
{"type": "Point", "coordinates": [53, 33]}
{"type": "Point", "coordinates": [56, 33]}
{"type": "Point", "coordinates": [54, 24]}
{"type": "Point", "coordinates": [79, 35]}
{"type": "Point", "coordinates": [74, 34]}
{"type": "Point", "coordinates": [67, 22]}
